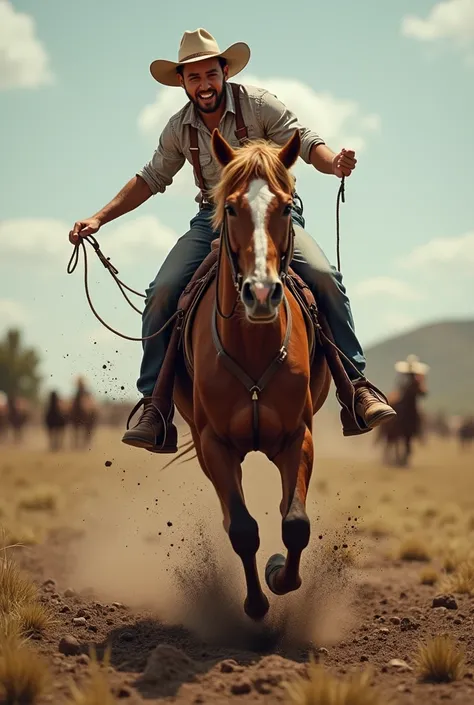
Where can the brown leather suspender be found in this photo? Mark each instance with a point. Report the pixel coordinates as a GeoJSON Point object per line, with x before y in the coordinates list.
{"type": "Point", "coordinates": [241, 133]}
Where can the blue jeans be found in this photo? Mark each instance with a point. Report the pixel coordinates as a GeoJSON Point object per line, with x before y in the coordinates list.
{"type": "Point", "coordinates": [309, 262]}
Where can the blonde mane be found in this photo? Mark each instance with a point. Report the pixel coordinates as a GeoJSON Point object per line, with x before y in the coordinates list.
{"type": "Point", "coordinates": [256, 160]}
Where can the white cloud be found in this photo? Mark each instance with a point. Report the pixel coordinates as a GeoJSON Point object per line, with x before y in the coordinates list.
{"type": "Point", "coordinates": [44, 242]}
{"type": "Point", "coordinates": [340, 122]}
{"type": "Point", "coordinates": [12, 313]}
{"type": "Point", "coordinates": [24, 62]}
{"type": "Point", "coordinates": [386, 286]}
{"type": "Point", "coordinates": [444, 253]}
{"type": "Point", "coordinates": [451, 20]}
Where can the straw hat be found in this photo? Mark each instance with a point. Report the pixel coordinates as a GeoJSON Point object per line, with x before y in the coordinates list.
{"type": "Point", "coordinates": [198, 46]}
{"type": "Point", "coordinates": [412, 365]}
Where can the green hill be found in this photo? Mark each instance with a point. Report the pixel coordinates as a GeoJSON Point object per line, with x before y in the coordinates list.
{"type": "Point", "coordinates": [448, 348]}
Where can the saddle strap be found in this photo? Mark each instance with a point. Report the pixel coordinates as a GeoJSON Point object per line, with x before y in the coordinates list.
{"type": "Point", "coordinates": [241, 132]}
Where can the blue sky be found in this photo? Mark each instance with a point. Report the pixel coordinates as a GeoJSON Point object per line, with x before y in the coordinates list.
{"type": "Point", "coordinates": [81, 113]}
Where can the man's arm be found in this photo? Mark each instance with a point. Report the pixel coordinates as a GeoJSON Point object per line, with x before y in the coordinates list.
{"type": "Point", "coordinates": [280, 123]}
{"type": "Point", "coordinates": [153, 178]}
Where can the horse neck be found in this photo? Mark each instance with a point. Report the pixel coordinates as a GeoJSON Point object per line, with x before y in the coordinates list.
{"type": "Point", "coordinates": [253, 345]}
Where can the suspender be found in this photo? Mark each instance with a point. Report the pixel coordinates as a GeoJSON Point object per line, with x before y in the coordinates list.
{"type": "Point", "coordinates": [241, 133]}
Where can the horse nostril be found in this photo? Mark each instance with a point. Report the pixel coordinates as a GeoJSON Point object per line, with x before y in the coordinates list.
{"type": "Point", "coordinates": [247, 294]}
{"type": "Point", "coordinates": [277, 294]}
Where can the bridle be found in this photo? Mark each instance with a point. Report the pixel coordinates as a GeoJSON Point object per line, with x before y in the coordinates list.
{"type": "Point", "coordinates": [237, 278]}
{"type": "Point", "coordinates": [254, 387]}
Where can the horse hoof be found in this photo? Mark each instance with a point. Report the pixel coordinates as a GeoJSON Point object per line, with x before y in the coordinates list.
{"type": "Point", "coordinates": [256, 609]}
{"type": "Point", "coordinates": [274, 565]}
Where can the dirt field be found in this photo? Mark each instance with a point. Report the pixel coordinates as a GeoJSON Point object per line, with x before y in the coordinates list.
{"type": "Point", "coordinates": [134, 558]}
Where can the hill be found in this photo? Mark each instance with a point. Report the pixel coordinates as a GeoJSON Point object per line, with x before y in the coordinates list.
{"type": "Point", "coordinates": [447, 347]}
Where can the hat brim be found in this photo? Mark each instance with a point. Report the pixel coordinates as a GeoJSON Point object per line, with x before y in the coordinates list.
{"type": "Point", "coordinates": [416, 368]}
{"type": "Point", "coordinates": [237, 57]}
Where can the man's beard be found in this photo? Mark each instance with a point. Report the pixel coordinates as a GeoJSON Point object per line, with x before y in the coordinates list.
{"type": "Point", "coordinates": [218, 98]}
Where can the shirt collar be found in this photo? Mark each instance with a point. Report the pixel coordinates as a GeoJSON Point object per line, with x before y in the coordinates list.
{"type": "Point", "coordinates": [191, 117]}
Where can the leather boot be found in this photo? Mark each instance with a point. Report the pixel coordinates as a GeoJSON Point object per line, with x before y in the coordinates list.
{"type": "Point", "coordinates": [372, 408]}
{"type": "Point", "coordinates": [152, 431]}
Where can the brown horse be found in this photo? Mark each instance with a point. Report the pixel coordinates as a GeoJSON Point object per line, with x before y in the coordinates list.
{"type": "Point", "coordinates": [253, 385]}
{"type": "Point", "coordinates": [56, 419]}
{"type": "Point", "coordinates": [398, 434]}
{"type": "Point", "coordinates": [83, 417]}
{"type": "Point", "coordinates": [19, 414]}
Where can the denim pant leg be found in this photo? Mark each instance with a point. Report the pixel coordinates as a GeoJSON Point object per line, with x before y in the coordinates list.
{"type": "Point", "coordinates": [325, 282]}
{"type": "Point", "coordinates": [163, 294]}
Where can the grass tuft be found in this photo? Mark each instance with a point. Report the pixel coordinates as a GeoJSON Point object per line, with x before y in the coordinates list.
{"type": "Point", "coordinates": [321, 688]}
{"type": "Point", "coordinates": [429, 576]}
{"type": "Point", "coordinates": [97, 690]}
{"type": "Point", "coordinates": [23, 674]}
{"type": "Point", "coordinates": [440, 660]}
{"type": "Point", "coordinates": [462, 580]}
{"type": "Point", "coordinates": [414, 548]}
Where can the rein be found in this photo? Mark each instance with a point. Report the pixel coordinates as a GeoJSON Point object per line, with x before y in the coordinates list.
{"type": "Point", "coordinates": [113, 271]}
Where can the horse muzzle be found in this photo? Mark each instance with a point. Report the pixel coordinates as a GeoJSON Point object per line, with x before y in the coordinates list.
{"type": "Point", "coordinates": [262, 299]}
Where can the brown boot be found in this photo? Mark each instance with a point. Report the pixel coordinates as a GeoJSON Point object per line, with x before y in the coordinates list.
{"type": "Point", "coordinates": [371, 407]}
{"type": "Point", "coordinates": [151, 432]}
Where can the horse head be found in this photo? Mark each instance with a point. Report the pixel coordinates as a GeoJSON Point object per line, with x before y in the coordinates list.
{"type": "Point", "coordinates": [253, 211]}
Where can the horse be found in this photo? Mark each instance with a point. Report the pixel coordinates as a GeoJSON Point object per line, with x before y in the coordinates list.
{"type": "Point", "coordinates": [397, 434]}
{"type": "Point", "coordinates": [83, 417]}
{"type": "Point", "coordinates": [466, 432]}
{"type": "Point", "coordinates": [19, 413]}
{"type": "Point", "coordinates": [56, 419]}
{"type": "Point", "coordinates": [254, 385]}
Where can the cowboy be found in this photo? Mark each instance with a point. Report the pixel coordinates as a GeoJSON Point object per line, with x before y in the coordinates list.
{"type": "Point", "coordinates": [408, 369]}
{"type": "Point", "coordinates": [239, 112]}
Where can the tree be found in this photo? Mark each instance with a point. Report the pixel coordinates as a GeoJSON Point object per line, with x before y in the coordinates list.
{"type": "Point", "coordinates": [18, 367]}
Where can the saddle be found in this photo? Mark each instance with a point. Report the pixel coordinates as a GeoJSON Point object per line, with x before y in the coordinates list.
{"type": "Point", "coordinates": [319, 335]}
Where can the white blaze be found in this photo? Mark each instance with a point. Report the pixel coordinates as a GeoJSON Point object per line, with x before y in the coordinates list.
{"type": "Point", "coordinates": [259, 198]}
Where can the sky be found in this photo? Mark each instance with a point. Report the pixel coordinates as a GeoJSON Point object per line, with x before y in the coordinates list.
{"type": "Point", "coordinates": [80, 114]}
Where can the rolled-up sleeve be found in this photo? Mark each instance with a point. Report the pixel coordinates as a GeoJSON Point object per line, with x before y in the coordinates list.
{"type": "Point", "coordinates": [165, 163]}
{"type": "Point", "coordinates": [279, 124]}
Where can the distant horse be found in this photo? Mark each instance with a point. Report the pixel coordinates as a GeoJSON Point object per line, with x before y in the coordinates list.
{"type": "Point", "coordinates": [56, 419]}
{"type": "Point", "coordinates": [398, 434]}
{"type": "Point", "coordinates": [83, 417]}
{"type": "Point", "coordinates": [19, 414]}
{"type": "Point", "coordinates": [252, 384]}
{"type": "Point", "coordinates": [3, 416]}
{"type": "Point", "coordinates": [466, 432]}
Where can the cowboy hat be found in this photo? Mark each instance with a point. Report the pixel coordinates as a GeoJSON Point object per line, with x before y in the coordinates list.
{"type": "Point", "coordinates": [198, 46]}
{"type": "Point", "coordinates": [412, 365]}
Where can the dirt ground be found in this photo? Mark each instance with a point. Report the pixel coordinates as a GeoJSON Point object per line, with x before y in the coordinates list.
{"type": "Point", "coordinates": [136, 554]}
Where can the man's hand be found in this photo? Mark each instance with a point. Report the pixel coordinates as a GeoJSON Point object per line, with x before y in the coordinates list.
{"type": "Point", "coordinates": [89, 226]}
{"type": "Point", "coordinates": [344, 163]}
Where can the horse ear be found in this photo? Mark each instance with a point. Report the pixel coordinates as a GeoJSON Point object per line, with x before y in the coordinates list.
{"type": "Point", "coordinates": [222, 149]}
{"type": "Point", "coordinates": [291, 151]}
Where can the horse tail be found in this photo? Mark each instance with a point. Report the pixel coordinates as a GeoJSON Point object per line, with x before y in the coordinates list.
{"type": "Point", "coordinates": [188, 447]}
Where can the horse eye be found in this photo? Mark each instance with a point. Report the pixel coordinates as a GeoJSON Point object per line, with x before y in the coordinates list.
{"type": "Point", "coordinates": [287, 209]}
{"type": "Point", "coordinates": [229, 209]}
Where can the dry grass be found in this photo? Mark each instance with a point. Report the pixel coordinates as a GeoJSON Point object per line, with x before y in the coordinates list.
{"type": "Point", "coordinates": [15, 588]}
{"type": "Point", "coordinates": [97, 690]}
{"type": "Point", "coordinates": [321, 688]}
{"type": "Point", "coordinates": [429, 576]}
{"type": "Point", "coordinates": [462, 580]}
{"type": "Point", "coordinates": [33, 619]}
{"type": "Point", "coordinates": [440, 660]}
{"type": "Point", "coordinates": [23, 675]}
{"type": "Point", "coordinates": [40, 498]}
{"type": "Point", "coordinates": [414, 548]}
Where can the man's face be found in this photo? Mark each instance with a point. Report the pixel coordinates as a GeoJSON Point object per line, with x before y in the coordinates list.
{"type": "Point", "coordinates": [204, 82]}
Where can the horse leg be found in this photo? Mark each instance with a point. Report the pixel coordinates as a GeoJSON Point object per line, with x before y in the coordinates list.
{"type": "Point", "coordinates": [295, 464]}
{"type": "Point", "coordinates": [223, 467]}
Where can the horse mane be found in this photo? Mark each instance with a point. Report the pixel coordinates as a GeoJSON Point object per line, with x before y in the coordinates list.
{"type": "Point", "coordinates": [258, 159]}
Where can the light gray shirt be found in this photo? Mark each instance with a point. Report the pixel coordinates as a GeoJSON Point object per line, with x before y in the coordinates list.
{"type": "Point", "coordinates": [264, 116]}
